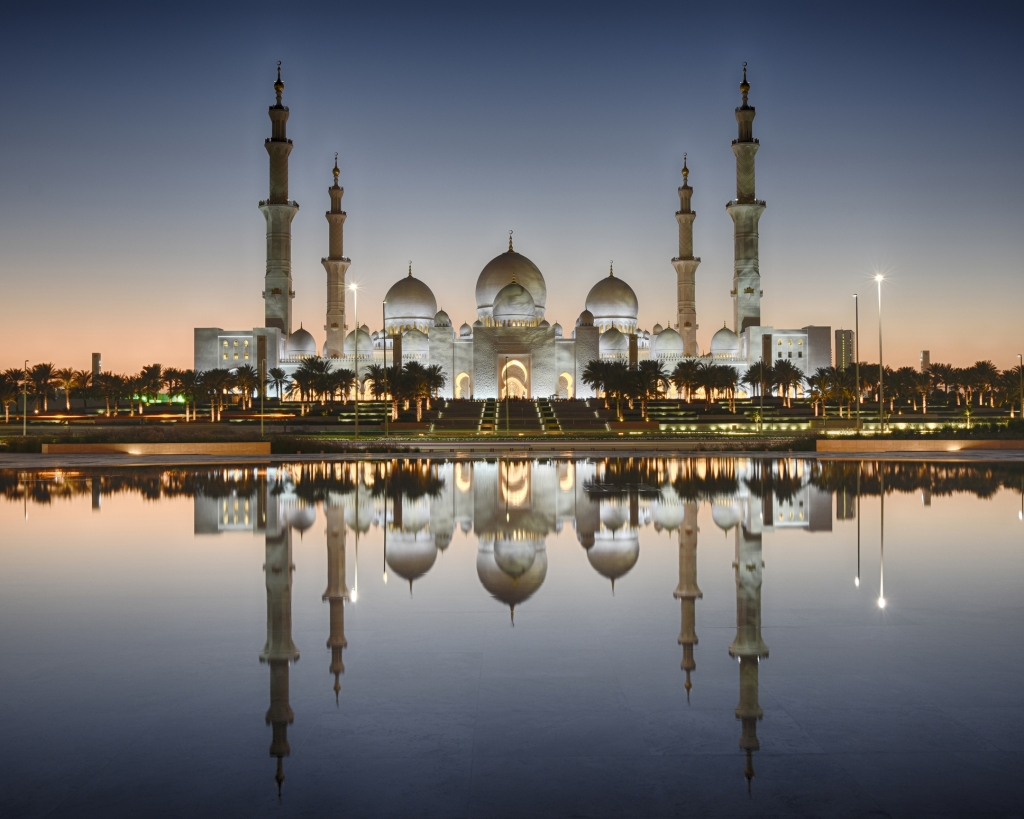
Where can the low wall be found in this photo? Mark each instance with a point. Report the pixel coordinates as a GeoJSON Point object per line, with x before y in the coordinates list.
{"type": "Point", "coordinates": [228, 448]}
{"type": "Point", "coordinates": [891, 445]}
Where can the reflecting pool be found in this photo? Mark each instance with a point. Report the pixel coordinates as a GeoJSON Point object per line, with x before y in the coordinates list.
{"type": "Point", "coordinates": [630, 637]}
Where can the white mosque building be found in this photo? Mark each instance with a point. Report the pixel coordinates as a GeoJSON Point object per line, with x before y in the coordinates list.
{"type": "Point", "coordinates": [511, 347]}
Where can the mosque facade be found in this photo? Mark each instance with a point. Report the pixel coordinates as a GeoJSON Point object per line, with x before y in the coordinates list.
{"type": "Point", "coordinates": [510, 348]}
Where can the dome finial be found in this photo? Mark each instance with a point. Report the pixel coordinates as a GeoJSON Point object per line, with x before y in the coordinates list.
{"type": "Point", "coordinates": [410, 268]}
{"type": "Point", "coordinates": [279, 86]}
{"type": "Point", "coordinates": [510, 243]}
{"type": "Point", "coordinates": [336, 171]}
{"type": "Point", "coordinates": [744, 86]}
{"type": "Point", "coordinates": [686, 171]}
{"type": "Point", "coordinates": [611, 269]}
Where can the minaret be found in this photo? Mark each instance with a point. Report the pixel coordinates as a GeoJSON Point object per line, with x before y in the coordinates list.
{"type": "Point", "coordinates": [748, 647]}
{"type": "Point", "coordinates": [336, 266]}
{"type": "Point", "coordinates": [337, 592]}
{"type": "Point", "coordinates": [688, 592]}
{"type": "Point", "coordinates": [745, 211]}
{"type": "Point", "coordinates": [686, 269]}
{"type": "Point", "coordinates": [279, 650]}
{"type": "Point", "coordinates": [279, 212]}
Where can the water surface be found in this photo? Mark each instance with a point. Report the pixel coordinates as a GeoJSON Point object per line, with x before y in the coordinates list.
{"type": "Point", "coordinates": [620, 637]}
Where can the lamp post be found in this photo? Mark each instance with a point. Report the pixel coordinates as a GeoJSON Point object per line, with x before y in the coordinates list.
{"type": "Point", "coordinates": [355, 337]}
{"type": "Point", "coordinates": [387, 406]}
{"type": "Point", "coordinates": [856, 354]}
{"type": "Point", "coordinates": [24, 402]}
{"type": "Point", "coordinates": [1020, 372]}
{"type": "Point", "coordinates": [881, 387]}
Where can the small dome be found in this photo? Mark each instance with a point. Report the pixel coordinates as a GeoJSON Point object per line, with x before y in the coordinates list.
{"type": "Point", "coordinates": [725, 342]}
{"type": "Point", "coordinates": [302, 518]}
{"type": "Point", "coordinates": [668, 343]}
{"type": "Point", "coordinates": [415, 343]}
{"type": "Point", "coordinates": [300, 343]}
{"type": "Point", "coordinates": [442, 320]}
{"type": "Point", "coordinates": [544, 324]}
{"type": "Point", "coordinates": [647, 336]}
{"type": "Point", "coordinates": [502, 270]}
{"type": "Point", "coordinates": [509, 589]}
{"type": "Point", "coordinates": [613, 555]}
{"type": "Point", "coordinates": [411, 554]}
{"type": "Point", "coordinates": [478, 323]}
{"type": "Point", "coordinates": [409, 303]}
{"type": "Point", "coordinates": [613, 343]}
{"type": "Point", "coordinates": [558, 330]}
{"type": "Point", "coordinates": [365, 343]}
{"type": "Point", "coordinates": [725, 515]}
{"type": "Point", "coordinates": [613, 302]}
{"type": "Point", "coordinates": [657, 329]}
{"type": "Point", "coordinates": [514, 303]}
{"type": "Point", "coordinates": [586, 319]}
{"type": "Point", "coordinates": [465, 331]}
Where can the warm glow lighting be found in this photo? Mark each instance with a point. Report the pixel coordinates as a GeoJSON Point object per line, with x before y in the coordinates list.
{"type": "Point", "coordinates": [856, 582]}
{"type": "Point", "coordinates": [355, 595]}
{"type": "Point", "coordinates": [879, 277]}
{"type": "Point", "coordinates": [385, 578]}
{"type": "Point", "coordinates": [881, 602]}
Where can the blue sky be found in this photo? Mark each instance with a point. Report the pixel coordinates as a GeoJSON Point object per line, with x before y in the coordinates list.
{"type": "Point", "coordinates": [132, 163]}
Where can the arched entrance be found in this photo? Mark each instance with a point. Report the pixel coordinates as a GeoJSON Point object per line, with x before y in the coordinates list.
{"type": "Point", "coordinates": [565, 386]}
{"type": "Point", "coordinates": [515, 379]}
{"type": "Point", "coordinates": [463, 386]}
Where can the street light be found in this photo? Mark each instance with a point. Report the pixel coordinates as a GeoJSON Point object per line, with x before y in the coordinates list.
{"type": "Point", "coordinates": [355, 334]}
{"type": "Point", "coordinates": [856, 352]}
{"type": "Point", "coordinates": [881, 388]}
{"type": "Point", "coordinates": [1020, 372]}
{"type": "Point", "coordinates": [24, 402]}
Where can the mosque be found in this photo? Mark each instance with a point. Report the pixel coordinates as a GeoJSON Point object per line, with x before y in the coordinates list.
{"type": "Point", "coordinates": [511, 348]}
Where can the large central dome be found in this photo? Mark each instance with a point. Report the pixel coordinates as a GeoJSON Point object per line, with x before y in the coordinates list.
{"type": "Point", "coordinates": [502, 270]}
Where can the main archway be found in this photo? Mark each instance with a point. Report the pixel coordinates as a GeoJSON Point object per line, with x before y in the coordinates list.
{"type": "Point", "coordinates": [515, 379]}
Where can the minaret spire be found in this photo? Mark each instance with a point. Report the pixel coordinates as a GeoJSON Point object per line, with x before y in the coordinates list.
{"type": "Point", "coordinates": [745, 211]}
{"type": "Point", "coordinates": [686, 269]}
{"type": "Point", "coordinates": [279, 211]}
{"type": "Point", "coordinates": [336, 266]}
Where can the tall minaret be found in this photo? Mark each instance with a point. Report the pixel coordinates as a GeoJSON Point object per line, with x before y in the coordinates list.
{"type": "Point", "coordinates": [748, 647]}
{"type": "Point", "coordinates": [688, 592]}
{"type": "Point", "coordinates": [337, 592]}
{"type": "Point", "coordinates": [279, 212]}
{"type": "Point", "coordinates": [336, 266]}
{"type": "Point", "coordinates": [745, 211]}
{"type": "Point", "coordinates": [686, 269]}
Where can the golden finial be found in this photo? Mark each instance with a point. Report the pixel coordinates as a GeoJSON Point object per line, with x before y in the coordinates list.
{"type": "Point", "coordinates": [686, 171]}
{"type": "Point", "coordinates": [410, 268]}
{"type": "Point", "coordinates": [611, 269]}
{"type": "Point", "coordinates": [279, 86]}
{"type": "Point", "coordinates": [510, 241]}
{"type": "Point", "coordinates": [744, 86]}
{"type": "Point", "coordinates": [336, 171]}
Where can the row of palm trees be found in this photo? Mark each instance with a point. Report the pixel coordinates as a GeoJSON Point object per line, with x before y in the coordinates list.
{"type": "Point", "coordinates": [315, 380]}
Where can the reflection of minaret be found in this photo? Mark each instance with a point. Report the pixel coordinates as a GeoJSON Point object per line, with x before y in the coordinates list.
{"type": "Point", "coordinates": [279, 650]}
{"type": "Point", "coordinates": [686, 269]}
{"type": "Point", "coordinates": [687, 592]}
{"type": "Point", "coordinates": [748, 647]}
{"type": "Point", "coordinates": [337, 591]}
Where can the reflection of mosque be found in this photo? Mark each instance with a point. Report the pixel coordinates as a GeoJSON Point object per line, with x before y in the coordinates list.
{"type": "Point", "coordinates": [512, 506]}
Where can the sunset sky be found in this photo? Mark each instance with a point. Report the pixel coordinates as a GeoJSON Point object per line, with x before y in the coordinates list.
{"type": "Point", "coordinates": [133, 162]}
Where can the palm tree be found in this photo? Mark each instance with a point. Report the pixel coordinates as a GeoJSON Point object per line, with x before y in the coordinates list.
{"type": "Point", "coordinates": [188, 385]}
{"type": "Point", "coordinates": [651, 382]}
{"type": "Point", "coordinates": [987, 376]}
{"type": "Point", "coordinates": [617, 383]}
{"type": "Point", "coordinates": [9, 392]}
{"type": "Point", "coordinates": [821, 386]}
{"type": "Point", "coordinates": [150, 383]}
{"type": "Point", "coordinates": [725, 380]}
{"type": "Point", "coordinates": [248, 381]}
{"type": "Point", "coordinates": [280, 381]}
{"type": "Point", "coordinates": [377, 375]}
{"type": "Point", "coordinates": [436, 379]}
{"type": "Point", "coordinates": [342, 381]}
{"type": "Point", "coordinates": [595, 376]}
{"type": "Point", "coordinates": [66, 379]}
{"type": "Point", "coordinates": [417, 384]}
{"type": "Point", "coordinates": [43, 377]}
{"type": "Point", "coordinates": [759, 375]}
{"type": "Point", "coordinates": [216, 384]}
{"type": "Point", "coordinates": [788, 377]}
{"type": "Point", "coordinates": [684, 377]}
{"type": "Point", "coordinates": [940, 376]}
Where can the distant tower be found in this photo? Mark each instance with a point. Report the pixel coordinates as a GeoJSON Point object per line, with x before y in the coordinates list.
{"type": "Point", "coordinates": [279, 212]}
{"type": "Point", "coordinates": [336, 266]}
{"type": "Point", "coordinates": [745, 211]}
{"type": "Point", "coordinates": [686, 269]}
{"type": "Point", "coordinates": [688, 592]}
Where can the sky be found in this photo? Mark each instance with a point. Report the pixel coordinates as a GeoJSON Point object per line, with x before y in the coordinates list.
{"type": "Point", "coordinates": [132, 163]}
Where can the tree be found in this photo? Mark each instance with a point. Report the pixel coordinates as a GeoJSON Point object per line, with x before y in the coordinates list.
{"type": "Point", "coordinates": [787, 377]}
{"type": "Point", "coordinates": [684, 377]}
{"type": "Point", "coordinates": [986, 377]}
{"type": "Point", "coordinates": [150, 384]}
{"type": "Point", "coordinates": [436, 380]}
{"type": "Point", "coordinates": [416, 382]}
{"type": "Point", "coordinates": [342, 381]}
{"type": "Point", "coordinates": [821, 386]}
{"type": "Point", "coordinates": [651, 380]}
{"type": "Point", "coordinates": [280, 381]}
{"type": "Point", "coordinates": [377, 375]}
{"type": "Point", "coordinates": [595, 376]}
{"type": "Point", "coordinates": [759, 375]}
{"type": "Point", "coordinates": [216, 384]}
{"type": "Point", "coordinates": [43, 377]}
{"type": "Point", "coordinates": [247, 380]}
{"type": "Point", "coordinates": [617, 383]}
{"type": "Point", "coordinates": [189, 382]}
{"type": "Point", "coordinates": [68, 379]}
{"type": "Point", "coordinates": [10, 389]}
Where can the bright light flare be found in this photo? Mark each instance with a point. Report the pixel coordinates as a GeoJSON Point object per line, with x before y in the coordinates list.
{"type": "Point", "coordinates": [856, 582]}
{"type": "Point", "coordinates": [881, 602]}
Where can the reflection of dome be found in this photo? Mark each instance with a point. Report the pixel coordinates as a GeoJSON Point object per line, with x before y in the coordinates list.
{"type": "Point", "coordinates": [511, 590]}
{"type": "Point", "coordinates": [465, 331]}
{"type": "Point", "coordinates": [442, 320]}
{"type": "Point", "coordinates": [614, 515]}
{"type": "Point", "coordinates": [302, 517]}
{"type": "Point", "coordinates": [725, 515]}
{"type": "Point", "coordinates": [514, 557]}
{"type": "Point", "coordinates": [300, 343]}
{"type": "Point", "coordinates": [613, 342]}
{"type": "Point", "coordinates": [725, 342]}
{"type": "Point", "coordinates": [667, 511]}
{"type": "Point", "coordinates": [500, 271]}
{"type": "Point", "coordinates": [409, 303]}
{"type": "Point", "coordinates": [614, 555]}
{"type": "Point", "coordinates": [442, 540]}
{"type": "Point", "coordinates": [514, 305]}
{"type": "Point", "coordinates": [586, 319]}
{"type": "Point", "coordinates": [415, 343]}
{"type": "Point", "coordinates": [365, 343]}
{"type": "Point", "coordinates": [613, 303]}
{"type": "Point", "coordinates": [586, 539]}
{"type": "Point", "coordinates": [411, 554]}
{"type": "Point", "coordinates": [668, 343]}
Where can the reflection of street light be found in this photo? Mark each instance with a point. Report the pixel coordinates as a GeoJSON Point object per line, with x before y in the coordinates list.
{"type": "Point", "coordinates": [24, 402]}
{"type": "Point", "coordinates": [881, 393]}
{"type": "Point", "coordinates": [881, 548]}
{"type": "Point", "coordinates": [856, 580]}
{"type": "Point", "coordinates": [355, 304]}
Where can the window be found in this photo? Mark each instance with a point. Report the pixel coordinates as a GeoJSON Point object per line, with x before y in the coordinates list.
{"type": "Point", "coordinates": [236, 356]}
{"type": "Point", "coordinates": [236, 343]}
{"type": "Point", "coordinates": [800, 342]}
{"type": "Point", "coordinates": [225, 356]}
{"type": "Point", "coordinates": [798, 355]}
{"type": "Point", "coordinates": [247, 356]}
{"type": "Point", "coordinates": [246, 342]}
{"type": "Point", "coordinates": [780, 354]}
{"type": "Point", "coordinates": [790, 354]}
{"type": "Point", "coordinates": [225, 344]}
